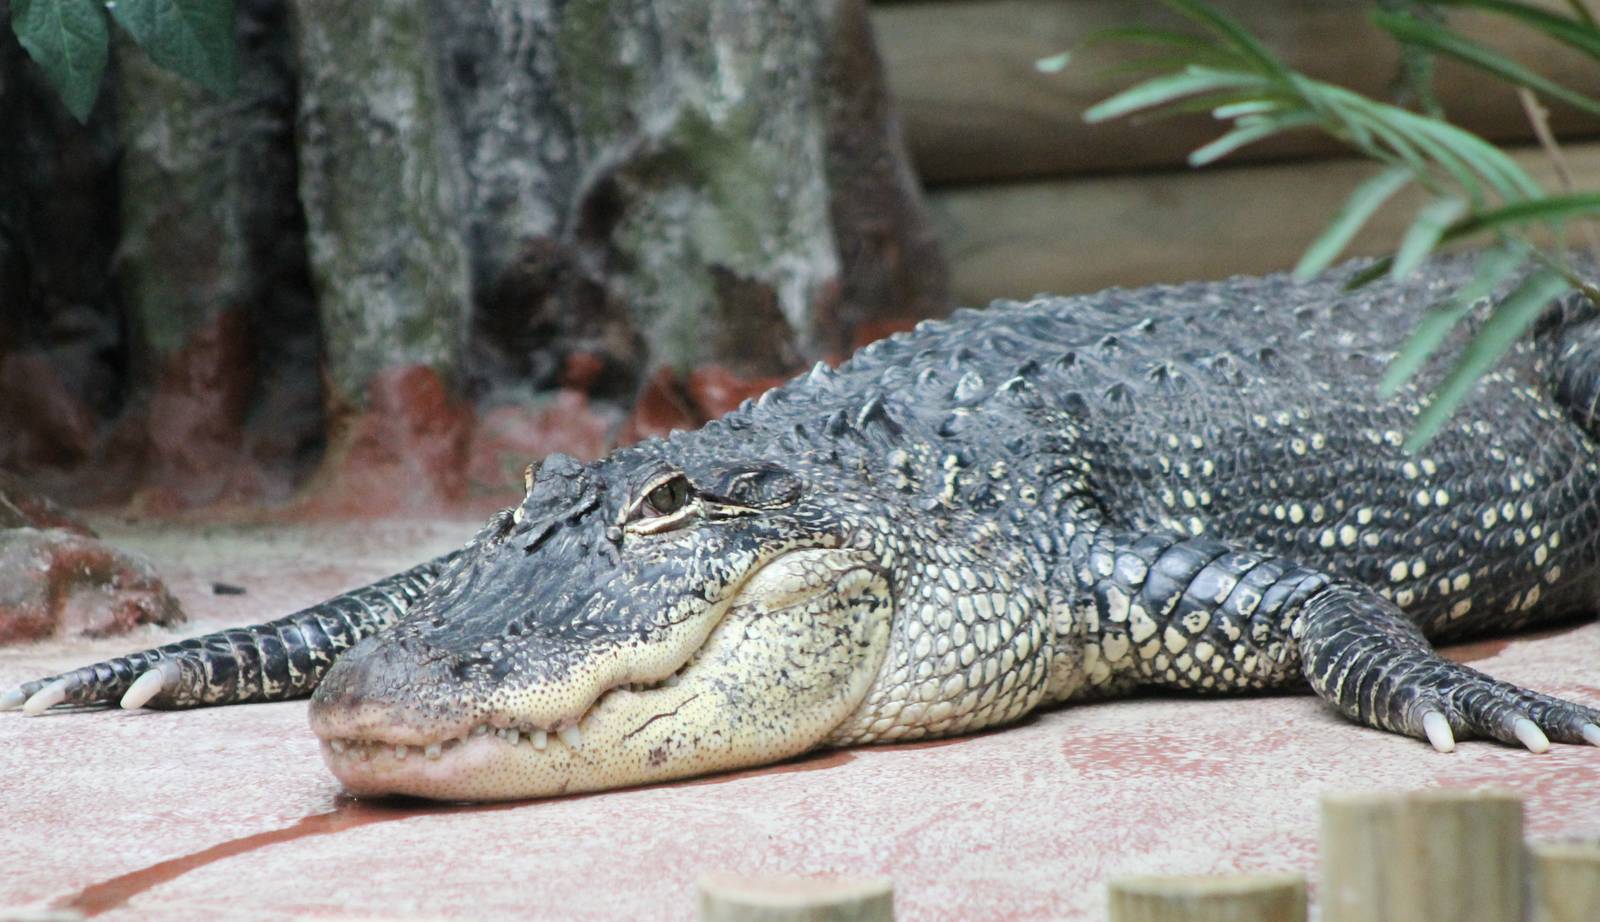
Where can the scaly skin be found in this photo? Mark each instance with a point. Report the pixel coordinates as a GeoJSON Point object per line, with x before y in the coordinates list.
{"type": "Point", "coordinates": [1187, 487]}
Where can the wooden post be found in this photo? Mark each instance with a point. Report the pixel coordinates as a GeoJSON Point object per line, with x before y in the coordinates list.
{"type": "Point", "coordinates": [1208, 898]}
{"type": "Point", "coordinates": [1432, 856]}
{"type": "Point", "coordinates": [1566, 881]}
{"type": "Point", "coordinates": [732, 898]}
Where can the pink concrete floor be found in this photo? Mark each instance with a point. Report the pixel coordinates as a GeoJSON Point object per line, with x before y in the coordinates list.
{"type": "Point", "coordinates": [229, 813]}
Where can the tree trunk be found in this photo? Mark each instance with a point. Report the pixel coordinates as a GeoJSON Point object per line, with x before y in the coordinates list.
{"type": "Point", "coordinates": [213, 267]}
{"type": "Point", "coordinates": [380, 184]}
{"type": "Point", "coordinates": [664, 182]}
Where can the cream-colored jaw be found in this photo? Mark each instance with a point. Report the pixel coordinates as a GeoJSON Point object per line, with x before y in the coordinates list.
{"type": "Point", "coordinates": [736, 702]}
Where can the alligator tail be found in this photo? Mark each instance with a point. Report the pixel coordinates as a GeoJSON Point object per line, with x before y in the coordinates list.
{"type": "Point", "coordinates": [274, 661]}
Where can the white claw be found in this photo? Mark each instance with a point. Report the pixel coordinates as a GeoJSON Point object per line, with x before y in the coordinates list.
{"type": "Point", "coordinates": [1438, 729]}
{"type": "Point", "coordinates": [1591, 733]}
{"type": "Point", "coordinates": [1530, 735]}
{"type": "Point", "coordinates": [145, 687]}
{"type": "Point", "coordinates": [46, 698]}
{"type": "Point", "coordinates": [541, 739]}
{"type": "Point", "coordinates": [12, 700]}
{"type": "Point", "coordinates": [571, 736]}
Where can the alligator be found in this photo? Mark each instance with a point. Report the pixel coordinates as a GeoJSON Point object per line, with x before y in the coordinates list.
{"type": "Point", "coordinates": [1194, 487]}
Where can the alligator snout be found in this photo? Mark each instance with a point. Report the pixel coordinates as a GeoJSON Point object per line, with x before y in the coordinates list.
{"type": "Point", "coordinates": [379, 691]}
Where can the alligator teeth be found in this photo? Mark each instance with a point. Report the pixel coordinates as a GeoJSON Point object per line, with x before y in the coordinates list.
{"type": "Point", "coordinates": [539, 739]}
{"type": "Point", "coordinates": [433, 751]}
{"type": "Point", "coordinates": [572, 736]}
{"type": "Point", "coordinates": [401, 751]}
{"type": "Point", "coordinates": [513, 737]}
{"type": "Point", "coordinates": [364, 753]}
{"type": "Point", "coordinates": [336, 746]}
{"type": "Point", "coordinates": [480, 729]}
{"type": "Point", "coordinates": [670, 681]}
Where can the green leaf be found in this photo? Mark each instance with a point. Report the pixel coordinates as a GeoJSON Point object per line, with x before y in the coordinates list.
{"type": "Point", "coordinates": [1547, 208]}
{"type": "Point", "coordinates": [1358, 208]}
{"type": "Point", "coordinates": [1378, 269]}
{"type": "Point", "coordinates": [1433, 219]}
{"type": "Point", "coordinates": [1414, 31]}
{"type": "Point", "coordinates": [68, 38]}
{"type": "Point", "coordinates": [1580, 35]}
{"type": "Point", "coordinates": [1509, 179]}
{"type": "Point", "coordinates": [191, 38]}
{"type": "Point", "coordinates": [1511, 317]}
{"type": "Point", "coordinates": [1237, 36]}
{"type": "Point", "coordinates": [1054, 64]}
{"type": "Point", "coordinates": [1249, 107]}
{"type": "Point", "coordinates": [1161, 90]}
{"type": "Point", "coordinates": [1249, 131]}
{"type": "Point", "coordinates": [1494, 267]}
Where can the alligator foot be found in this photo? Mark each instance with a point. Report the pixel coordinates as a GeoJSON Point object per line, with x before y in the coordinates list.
{"type": "Point", "coordinates": [1454, 700]}
{"type": "Point", "coordinates": [1366, 659]}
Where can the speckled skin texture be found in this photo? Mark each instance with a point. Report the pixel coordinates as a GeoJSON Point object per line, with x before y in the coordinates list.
{"type": "Point", "coordinates": [1191, 487]}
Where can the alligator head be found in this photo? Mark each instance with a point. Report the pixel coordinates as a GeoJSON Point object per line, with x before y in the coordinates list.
{"type": "Point", "coordinates": [633, 620]}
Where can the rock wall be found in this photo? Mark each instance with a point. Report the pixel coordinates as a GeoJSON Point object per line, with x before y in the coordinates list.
{"type": "Point", "coordinates": [442, 211]}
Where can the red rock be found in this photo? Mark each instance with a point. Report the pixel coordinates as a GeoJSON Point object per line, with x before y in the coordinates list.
{"type": "Point", "coordinates": [45, 424]}
{"type": "Point", "coordinates": [507, 439]}
{"type": "Point", "coordinates": [716, 391]}
{"type": "Point", "coordinates": [55, 583]}
{"type": "Point", "coordinates": [662, 407]}
{"type": "Point", "coordinates": [21, 507]}
{"type": "Point", "coordinates": [874, 330]}
{"type": "Point", "coordinates": [197, 411]}
{"type": "Point", "coordinates": [406, 452]}
{"type": "Point", "coordinates": [581, 370]}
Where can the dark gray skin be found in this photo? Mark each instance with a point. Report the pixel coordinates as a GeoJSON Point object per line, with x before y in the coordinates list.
{"type": "Point", "coordinates": [1193, 487]}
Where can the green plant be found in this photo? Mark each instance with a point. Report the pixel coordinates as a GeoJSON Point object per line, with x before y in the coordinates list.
{"type": "Point", "coordinates": [1474, 190]}
{"type": "Point", "coordinates": [69, 39]}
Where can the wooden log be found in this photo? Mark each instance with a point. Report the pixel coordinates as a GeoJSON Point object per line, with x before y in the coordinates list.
{"type": "Point", "coordinates": [734, 898]}
{"type": "Point", "coordinates": [1208, 898]}
{"type": "Point", "coordinates": [1015, 240]}
{"type": "Point", "coordinates": [1566, 882]}
{"type": "Point", "coordinates": [1432, 856]}
{"type": "Point", "coordinates": [975, 108]}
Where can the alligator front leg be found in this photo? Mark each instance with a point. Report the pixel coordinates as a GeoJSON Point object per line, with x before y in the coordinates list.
{"type": "Point", "coordinates": [275, 661]}
{"type": "Point", "coordinates": [1193, 613]}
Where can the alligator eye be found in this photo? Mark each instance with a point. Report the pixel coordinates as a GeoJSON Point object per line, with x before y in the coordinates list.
{"type": "Point", "coordinates": [667, 498]}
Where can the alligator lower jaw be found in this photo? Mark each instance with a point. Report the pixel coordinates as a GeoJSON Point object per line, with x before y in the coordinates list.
{"type": "Point", "coordinates": [490, 762]}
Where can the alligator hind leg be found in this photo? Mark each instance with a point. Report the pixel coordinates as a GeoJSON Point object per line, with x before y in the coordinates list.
{"type": "Point", "coordinates": [274, 661]}
{"type": "Point", "coordinates": [1362, 655]}
{"type": "Point", "coordinates": [1192, 613]}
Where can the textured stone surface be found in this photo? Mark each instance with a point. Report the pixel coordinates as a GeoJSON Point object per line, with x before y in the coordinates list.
{"type": "Point", "coordinates": [58, 583]}
{"type": "Point", "coordinates": [21, 507]}
{"type": "Point", "coordinates": [229, 812]}
{"type": "Point", "coordinates": [212, 267]}
{"type": "Point", "coordinates": [380, 182]}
